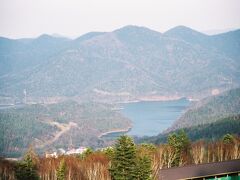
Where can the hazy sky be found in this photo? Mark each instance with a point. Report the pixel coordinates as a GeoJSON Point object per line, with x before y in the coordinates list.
{"type": "Point", "coordinates": [30, 18]}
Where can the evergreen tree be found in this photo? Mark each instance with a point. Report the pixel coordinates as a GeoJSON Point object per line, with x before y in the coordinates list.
{"type": "Point", "coordinates": [109, 151]}
{"type": "Point", "coordinates": [61, 171]}
{"type": "Point", "coordinates": [180, 142]}
{"type": "Point", "coordinates": [85, 153]}
{"type": "Point", "coordinates": [144, 168]}
{"type": "Point", "coordinates": [123, 165]}
{"type": "Point", "coordinates": [228, 139]}
{"type": "Point", "coordinates": [26, 169]}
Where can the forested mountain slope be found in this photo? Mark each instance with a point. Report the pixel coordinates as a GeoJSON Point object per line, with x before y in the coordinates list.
{"type": "Point", "coordinates": [125, 64]}
{"type": "Point", "coordinates": [210, 110]}
{"type": "Point", "coordinates": [208, 119]}
{"type": "Point", "coordinates": [210, 132]}
{"type": "Point", "coordinates": [57, 126]}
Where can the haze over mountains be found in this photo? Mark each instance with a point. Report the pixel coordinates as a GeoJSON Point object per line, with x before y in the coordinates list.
{"type": "Point", "coordinates": [129, 63]}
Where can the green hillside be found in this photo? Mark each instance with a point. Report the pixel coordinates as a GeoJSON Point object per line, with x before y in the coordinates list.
{"type": "Point", "coordinates": [57, 125]}
{"type": "Point", "coordinates": [210, 110]}
{"type": "Point", "coordinates": [207, 119]}
{"type": "Point", "coordinates": [211, 131]}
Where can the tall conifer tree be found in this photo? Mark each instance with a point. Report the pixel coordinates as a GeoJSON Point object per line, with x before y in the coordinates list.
{"type": "Point", "coordinates": [123, 166]}
{"type": "Point", "coordinates": [26, 169]}
{"type": "Point", "coordinates": [144, 168]}
{"type": "Point", "coordinates": [61, 171]}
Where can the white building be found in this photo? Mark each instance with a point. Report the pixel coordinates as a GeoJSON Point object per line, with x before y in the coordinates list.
{"type": "Point", "coordinates": [49, 155]}
{"type": "Point", "coordinates": [61, 151]}
{"type": "Point", "coordinates": [79, 150]}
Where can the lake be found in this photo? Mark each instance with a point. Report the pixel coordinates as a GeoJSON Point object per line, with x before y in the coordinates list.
{"type": "Point", "coordinates": [151, 118]}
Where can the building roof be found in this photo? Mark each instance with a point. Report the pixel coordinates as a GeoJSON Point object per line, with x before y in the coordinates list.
{"type": "Point", "coordinates": [201, 170]}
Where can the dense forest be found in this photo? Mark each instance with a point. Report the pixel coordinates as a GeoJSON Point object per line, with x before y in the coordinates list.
{"type": "Point", "coordinates": [40, 125]}
{"type": "Point", "coordinates": [209, 132]}
{"type": "Point", "coordinates": [210, 110]}
{"type": "Point", "coordinates": [125, 160]}
{"type": "Point", "coordinates": [208, 119]}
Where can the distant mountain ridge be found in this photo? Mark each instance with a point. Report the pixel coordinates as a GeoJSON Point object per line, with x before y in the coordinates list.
{"type": "Point", "coordinates": [121, 65]}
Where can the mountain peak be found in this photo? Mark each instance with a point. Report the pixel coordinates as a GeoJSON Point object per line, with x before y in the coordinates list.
{"type": "Point", "coordinates": [183, 30]}
{"type": "Point", "coordinates": [88, 36]}
{"type": "Point", "coordinates": [45, 36]}
{"type": "Point", "coordinates": [134, 28]}
{"type": "Point", "coordinates": [137, 35]}
{"type": "Point", "coordinates": [48, 39]}
{"type": "Point", "coordinates": [186, 34]}
{"type": "Point", "coordinates": [130, 27]}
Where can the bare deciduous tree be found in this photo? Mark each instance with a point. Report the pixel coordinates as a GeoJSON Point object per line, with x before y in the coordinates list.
{"type": "Point", "coordinates": [198, 152]}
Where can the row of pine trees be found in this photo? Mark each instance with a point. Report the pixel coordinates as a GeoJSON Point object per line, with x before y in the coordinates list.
{"type": "Point", "coordinates": [124, 161]}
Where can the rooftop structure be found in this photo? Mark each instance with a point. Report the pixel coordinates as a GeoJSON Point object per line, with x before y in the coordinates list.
{"type": "Point", "coordinates": [217, 170]}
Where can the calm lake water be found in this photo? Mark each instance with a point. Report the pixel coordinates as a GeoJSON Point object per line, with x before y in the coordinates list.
{"type": "Point", "coordinates": [151, 118]}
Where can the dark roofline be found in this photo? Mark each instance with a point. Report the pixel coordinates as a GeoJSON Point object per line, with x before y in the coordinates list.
{"type": "Point", "coordinates": [200, 170]}
{"type": "Point", "coordinates": [221, 174]}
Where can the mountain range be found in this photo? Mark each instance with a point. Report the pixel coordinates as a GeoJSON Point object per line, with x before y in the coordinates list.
{"type": "Point", "coordinates": [126, 64]}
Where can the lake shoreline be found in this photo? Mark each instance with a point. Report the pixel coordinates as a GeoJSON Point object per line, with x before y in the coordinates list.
{"type": "Point", "coordinates": [157, 99]}
{"type": "Point", "coordinates": [153, 117]}
{"type": "Point", "coordinates": [115, 131]}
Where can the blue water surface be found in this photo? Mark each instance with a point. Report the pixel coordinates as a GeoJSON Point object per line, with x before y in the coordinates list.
{"type": "Point", "coordinates": [151, 118]}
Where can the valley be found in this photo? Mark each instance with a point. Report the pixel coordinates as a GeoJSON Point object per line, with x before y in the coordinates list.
{"type": "Point", "coordinates": [119, 90]}
{"type": "Point", "coordinates": [57, 92]}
